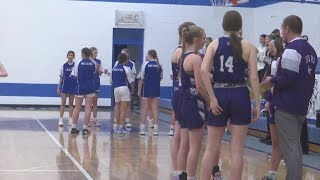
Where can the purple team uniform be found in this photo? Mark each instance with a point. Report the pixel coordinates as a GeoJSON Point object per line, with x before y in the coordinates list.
{"type": "Point", "coordinates": [230, 87]}
{"type": "Point", "coordinates": [175, 89]}
{"type": "Point", "coordinates": [192, 108]}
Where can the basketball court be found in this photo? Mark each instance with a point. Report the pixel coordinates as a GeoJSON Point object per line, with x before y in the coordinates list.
{"type": "Point", "coordinates": [33, 147]}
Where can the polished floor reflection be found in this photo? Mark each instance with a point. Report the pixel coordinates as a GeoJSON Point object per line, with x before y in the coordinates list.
{"type": "Point", "coordinates": [32, 146]}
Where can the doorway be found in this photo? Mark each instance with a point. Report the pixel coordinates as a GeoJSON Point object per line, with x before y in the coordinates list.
{"type": "Point", "coordinates": [131, 39]}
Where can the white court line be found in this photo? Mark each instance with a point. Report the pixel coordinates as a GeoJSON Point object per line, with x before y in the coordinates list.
{"type": "Point", "coordinates": [84, 172]}
{"type": "Point", "coordinates": [38, 170]}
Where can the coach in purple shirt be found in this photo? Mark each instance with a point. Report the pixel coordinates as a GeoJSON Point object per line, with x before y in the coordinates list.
{"type": "Point", "coordinates": [293, 87]}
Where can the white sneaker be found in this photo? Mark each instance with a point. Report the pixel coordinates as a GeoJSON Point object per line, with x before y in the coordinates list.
{"type": "Point", "coordinates": [128, 125]}
{"type": "Point", "coordinates": [115, 127]}
{"type": "Point", "coordinates": [171, 132]}
{"type": "Point", "coordinates": [60, 122]}
{"type": "Point", "coordinates": [155, 132]}
{"type": "Point", "coordinates": [142, 132]}
{"type": "Point", "coordinates": [150, 124]}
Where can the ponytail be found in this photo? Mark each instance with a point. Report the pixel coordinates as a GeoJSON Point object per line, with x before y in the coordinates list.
{"type": "Point", "coordinates": [236, 46]}
{"type": "Point", "coordinates": [183, 42]}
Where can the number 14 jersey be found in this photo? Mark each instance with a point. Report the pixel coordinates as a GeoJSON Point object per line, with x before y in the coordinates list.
{"type": "Point", "coordinates": [228, 69]}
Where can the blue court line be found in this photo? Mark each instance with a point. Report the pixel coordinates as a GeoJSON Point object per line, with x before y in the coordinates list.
{"type": "Point", "coordinates": [50, 90]}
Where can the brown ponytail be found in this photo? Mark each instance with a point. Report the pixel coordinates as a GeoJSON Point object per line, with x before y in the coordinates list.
{"type": "Point", "coordinates": [235, 43]}
{"type": "Point", "coordinates": [232, 23]}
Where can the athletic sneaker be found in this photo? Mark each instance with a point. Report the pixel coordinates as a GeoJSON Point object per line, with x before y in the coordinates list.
{"type": "Point", "coordinates": [115, 126]}
{"type": "Point", "coordinates": [175, 177]}
{"type": "Point", "coordinates": [128, 125]}
{"type": "Point", "coordinates": [183, 176]}
{"type": "Point", "coordinates": [75, 131]}
{"type": "Point", "coordinates": [216, 173]}
{"type": "Point", "coordinates": [269, 177]}
{"type": "Point", "coordinates": [150, 124]}
{"type": "Point", "coordinates": [85, 132]}
{"type": "Point", "coordinates": [171, 132]}
{"type": "Point", "coordinates": [142, 132]}
{"type": "Point", "coordinates": [121, 132]}
{"type": "Point", "coordinates": [60, 123]}
{"type": "Point", "coordinates": [96, 123]}
{"type": "Point", "coordinates": [155, 132]}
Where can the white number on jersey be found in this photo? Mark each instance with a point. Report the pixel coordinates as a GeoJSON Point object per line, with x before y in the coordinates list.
{"type": "Point", "coordinates": [228, 64]}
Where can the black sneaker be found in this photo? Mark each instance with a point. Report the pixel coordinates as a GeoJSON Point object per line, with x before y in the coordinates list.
{"type": "Point", "coordinates": [85, 132]}
{"type": "Point", "coordinates": [216, 173]}
{"type": "Point", "coordinates": [75, 131]}
{"type": "Point", "coordinates": [183, 176]}
{"type": "Point", "coordinates": [268, 142]}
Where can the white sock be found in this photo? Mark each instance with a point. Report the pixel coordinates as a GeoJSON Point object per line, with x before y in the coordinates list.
{"type": "Point", "coordinates": [273, 173]}
{"type": "Point", "coordinates": [148, 119]}
{"type": "Point", "coordinates": [74, 125]}
{"type": "Point", "coordinates": [142, 126]}
{"type": "Point", "coordinates": [175, 173]}
{"type": "Point", "coordinates": [171, 126]}
{"type": "Point", "coordinates": [155, 126]}
{"type": "Point", "coordinates": [127, 120]}
{"type": "Point", "coordinates": [114, 121]}
{"type": "Point", "coordinates": [85, 126]}
{"type": "Point", "coordinates": [61, 119]}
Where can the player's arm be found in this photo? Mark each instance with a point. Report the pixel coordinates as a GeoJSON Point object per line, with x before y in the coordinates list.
{"type": "Point", "coordinates": [254, 80]}
{"type": "Point", "coordinates": [290, 66]}
{"type": "Point", "coordinates": [253, 75]}
{"type": "Point", "coordinates": [3, 71]}
{"type": "Point", "coordinates": [130, 79]}
{"type": "Point", "coordinates": [206, 68]}
{"type": "Point", "coordinates": [100, 69]}
{"type": "Point", "coordinates": [60, 80]}
{"type": "Point", "coordinates": [141, 78]}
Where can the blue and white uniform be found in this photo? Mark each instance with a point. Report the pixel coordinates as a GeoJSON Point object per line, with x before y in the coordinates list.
{"type": "Point", "coordinates": [97, 75]}
{"type": "Point", "coordinates": [85, 71]}
{"type": "Point", "coordinates": [132, 67]}
{"type": "Point", "coordinates": [230, 87]}
{"type": "Point", "coordinates": [120, 77]}
{"type": "Point", "coordinates": [68, 85]}
{"type": "Point", "coordinates": [151, 74]}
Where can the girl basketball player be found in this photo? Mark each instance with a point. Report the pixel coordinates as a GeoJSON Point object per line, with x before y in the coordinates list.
{"type": "Point", "coordinates": [84, 71]}
{"type": "Point", "coordinates": [66, 87]}
{"type": "Point", "coordinates": [178, 164]}
{"type": "Point", "coordinates": [97, 84]}
{"type": "Point", "coordinates": [229, 56]}
{"type": "Point", "coordinates": [131, 65]}
{"type": "Point", "coordinates": [151, 75]}
{"type": "Point", "coordinates": [276, 49]}
{"type": "Point", "coordinates": [3, 71]}
{"type": "Point", "coordinates": [193, 95]}
{"type": "Point", "coordinates": [120, 76]}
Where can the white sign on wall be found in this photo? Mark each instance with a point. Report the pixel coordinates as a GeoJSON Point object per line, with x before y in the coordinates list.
{"type": "Point", "coordinates": [129, 19]}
